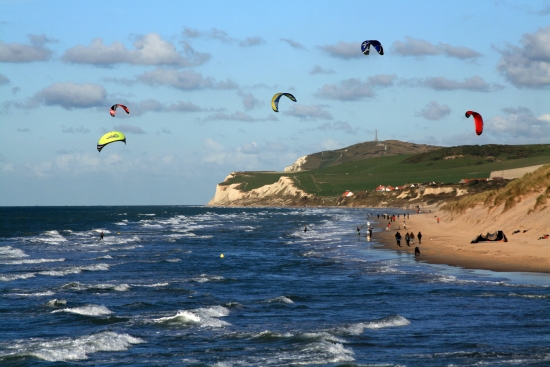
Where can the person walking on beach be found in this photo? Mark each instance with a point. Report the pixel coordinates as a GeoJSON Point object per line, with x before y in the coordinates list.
{"type": "Point", "coordinates": [407, 239]}
{"type": "Point", "coordinates": [404, 225]}
{"type": "Point", "coordinates": [411, 235]}
{"type": "Point", "coordinates": [398, 238]}
{"type": "Point", "coordinates": [437, 220]}
{"type": "Point", "coordinates": [419, 236]}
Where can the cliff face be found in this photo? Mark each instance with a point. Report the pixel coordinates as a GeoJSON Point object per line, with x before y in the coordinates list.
{"type": "Point", "coordinates": [281, 193]}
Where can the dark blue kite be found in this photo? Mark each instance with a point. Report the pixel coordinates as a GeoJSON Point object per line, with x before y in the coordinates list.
{"type": "Point", "coordinates": [365, 47]}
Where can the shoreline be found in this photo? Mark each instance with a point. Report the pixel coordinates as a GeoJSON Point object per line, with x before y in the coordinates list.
{"type": "Point", "coordinates": [448, 243]}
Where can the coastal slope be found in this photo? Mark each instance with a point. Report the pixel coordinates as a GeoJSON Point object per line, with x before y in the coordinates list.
{"type": "Point", "coordinates": [521, 207]}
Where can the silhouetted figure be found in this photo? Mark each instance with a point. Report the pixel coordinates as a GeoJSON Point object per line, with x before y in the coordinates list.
{"type": "Point", "coordinates": [101, 236]}
{"type": "Point", "coordinates": [419, 236]}
{"type": "Point", "coordinates": [398, 238]}
{"type": "Point", "coordinates": [416, 251]}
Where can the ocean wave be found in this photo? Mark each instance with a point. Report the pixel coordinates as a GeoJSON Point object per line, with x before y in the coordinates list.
{"type": "Point", "coordinates": [50, 237]}
{"type": "Point", "coordinates": [102, 286]}
{"type": "Point", "coordinates": [9, 278]}
{"type": "Point", "coordinates": [203, 278]}
{"type": "Point", "coordinates": [8, 252]}
{"type": "Point", "coordinates": [280, 299]}
{"type": "Point", "coordinates": [385, 322]}
{"type": "Point", "coordinates": [69, 349]}
{"type": "Point", "coordinates": [31, 261]}
{"type": "Point", "coordinates": [202, 317]}
{"type": "Point", "coordinates": [75, 270]}
{"type": "Point", "coordinates": [89, 310]}
{"type": "Point", "coordinates": [56, 302]}
{"type": "Point", "coordinates": [37, 294]}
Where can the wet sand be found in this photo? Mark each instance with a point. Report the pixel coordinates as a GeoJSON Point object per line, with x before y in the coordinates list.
{"type": "Point", "coordinates": [449, 241]}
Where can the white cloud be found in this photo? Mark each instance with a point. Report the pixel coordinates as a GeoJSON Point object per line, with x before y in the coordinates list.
{"type": "Point", "coordinates": [17, 52]}
{"type": "Point", "coordinates": [434, 111]}
{"type": "Point", "coordinates": [213, 33]}
{"type": "Point", "coordinates": [419, 48]}
{"type": "Point", "coordinates": [71, 95]}
{"type": "Point", "coordinates": [308, 112]}
{"type": "Point", "coordinates": [475, 84]}
{"type": "Point", "coordinates": [344, 50]}
{"type": "Point", "coordinates": [320, 70]}
{"type": "Point", "coordinates": [528, 66]}
{"type": "Point", "coordinates": [129, 129]}
{"type": "Point", "coordinates": [354, 89]}
{"type": "Point", "coordinates": [293, 44]}
{"type": "Point", "coordinates": [249, 101]}
{"type": "Point", "coordinates": [338, 126]}
{"type": "Point", "coordinates": [4, 79]}
{"type": "Point", "coordinates": [78, 130]}
{"type": "Point", "coordinates": [252, 41]}
{"type": "Point", "coordinates": [183, 80]}
{"type": "Point", "coordinates": [237, 116]}
{"type": "Point", "coordinates": [149, 49]}
{"type": "Point", "coordinates": [519, 125]}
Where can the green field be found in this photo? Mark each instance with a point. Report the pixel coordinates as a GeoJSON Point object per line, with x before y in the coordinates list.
{"type": "Point", "coordinates": [367, 174]}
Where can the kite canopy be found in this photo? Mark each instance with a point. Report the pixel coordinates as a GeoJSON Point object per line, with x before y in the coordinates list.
{"type": "Point", "coordinates": [275, 100]}
{"type": "Point", "coordinates": [110, 137]}
{"type": "Point", "coordinates": [365, 47]}
{"type": "Point", "coordinates": [478, 120]}
{"type": "Point", "coordinates": [114, 107]}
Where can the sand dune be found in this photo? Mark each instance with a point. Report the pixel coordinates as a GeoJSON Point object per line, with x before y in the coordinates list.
{"type": "Point", "coordinates": [449, 241]}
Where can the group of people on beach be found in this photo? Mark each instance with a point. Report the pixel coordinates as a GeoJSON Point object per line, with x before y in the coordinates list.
{"type": "Point", "coordinates": [409, 239]}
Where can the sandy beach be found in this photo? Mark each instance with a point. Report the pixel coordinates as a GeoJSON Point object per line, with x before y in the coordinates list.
{"type": "Point", "coordinates": [449, 241]}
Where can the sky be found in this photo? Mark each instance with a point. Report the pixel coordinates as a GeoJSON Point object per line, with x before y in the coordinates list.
{"type": "Point", "coordinates": [198, 78]}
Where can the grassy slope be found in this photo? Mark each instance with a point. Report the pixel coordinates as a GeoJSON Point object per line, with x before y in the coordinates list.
{"type": "Point", "coordinates": [366, 174]}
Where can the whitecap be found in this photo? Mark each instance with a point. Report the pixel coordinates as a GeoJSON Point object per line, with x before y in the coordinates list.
{"type": "Point", "coordinates": [8, 252]}
{"type": "Point", "coordinates": [56, 302]}
{"type": "Point", "coordinates": [203, 278]}
{"type": "Point", "coordinates": [9, 278]}
{"type": "Point", "coordinates": [359, 328]}
{"type": "Point", "coordinates": [70, 349]}
{"type": "Point", "coordinates": [202, 317]}
{"type": "Point", "coordinates": [38, 294]}
{"type": "Point", "coordinates": [89, 310]}
{"type": "Point", "coordinates": [280, 299]}
{"type": "Point", "coordinates": [31, 261]}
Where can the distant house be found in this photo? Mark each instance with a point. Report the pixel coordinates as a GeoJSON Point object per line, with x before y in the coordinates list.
{"type": "Point", "coordinates": [347, 193]}
{"type": "Point", "coordinates": [400, 187]}
{"type": "Point", "coordinates": [390, 188]}
{"type": "Point", "coordinates": [380, 188]}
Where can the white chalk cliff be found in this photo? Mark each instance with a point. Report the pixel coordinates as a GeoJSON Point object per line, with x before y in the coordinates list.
{"type": "Point", "coordinates": [279, 193]}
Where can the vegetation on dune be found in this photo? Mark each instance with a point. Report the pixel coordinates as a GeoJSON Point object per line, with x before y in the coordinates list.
{"type": "Point", "coordinates": [510, 195]}
{"type": "Point", "coordinates": [489, 152]}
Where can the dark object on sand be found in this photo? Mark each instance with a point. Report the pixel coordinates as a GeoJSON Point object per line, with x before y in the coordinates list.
{"type": "Point", "coordinates": [416, 251]}
{"type": "Point", "coordinates": [497, 236]}
{"type": "Point", "coordinates": [544, 237]}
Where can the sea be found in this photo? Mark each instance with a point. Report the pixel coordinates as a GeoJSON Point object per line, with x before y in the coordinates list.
{"type": "Point", "coordinates": [204, 286]}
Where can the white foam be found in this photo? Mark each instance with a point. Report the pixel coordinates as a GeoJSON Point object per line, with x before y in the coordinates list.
{"type": "Point", "coordinates": [8, 252]}
{"type": "Point", "coordinates": [50, 237]}
{"type": "Point", "coordinates": [31, 261]}
{"type": "Point", "coordinates": [75, 270]}
{"type": "Point", "coordinates": [9, 278]}
{"type": "Point", "coordinates": [89, 310]}
{"type": "Point", "coordinates": [71, 349]}
{"type": "Point", "coordinates": [56, 302]}
{"type": "Point", "coordinates": [38, 294]}
{"type": "Point", "coordinates": [202, 317]}
{"type": "Point", "coordinates": [121, 224]}
{"type": "Point", "coordinates": [280, 299]}
{"type": "Point", "coordinates": [106, 286]}
{"type": "Point", "coordinates": [203, 278]}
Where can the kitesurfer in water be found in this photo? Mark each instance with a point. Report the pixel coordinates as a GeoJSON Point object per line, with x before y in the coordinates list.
{"type": "Point", "coordinates": [305, 228]}
{"type": "Point", "coordinates": [101, 236]}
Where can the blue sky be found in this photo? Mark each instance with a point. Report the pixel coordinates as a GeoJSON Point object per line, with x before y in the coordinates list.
{"type": "Point", "coordinates": [198, 78]}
